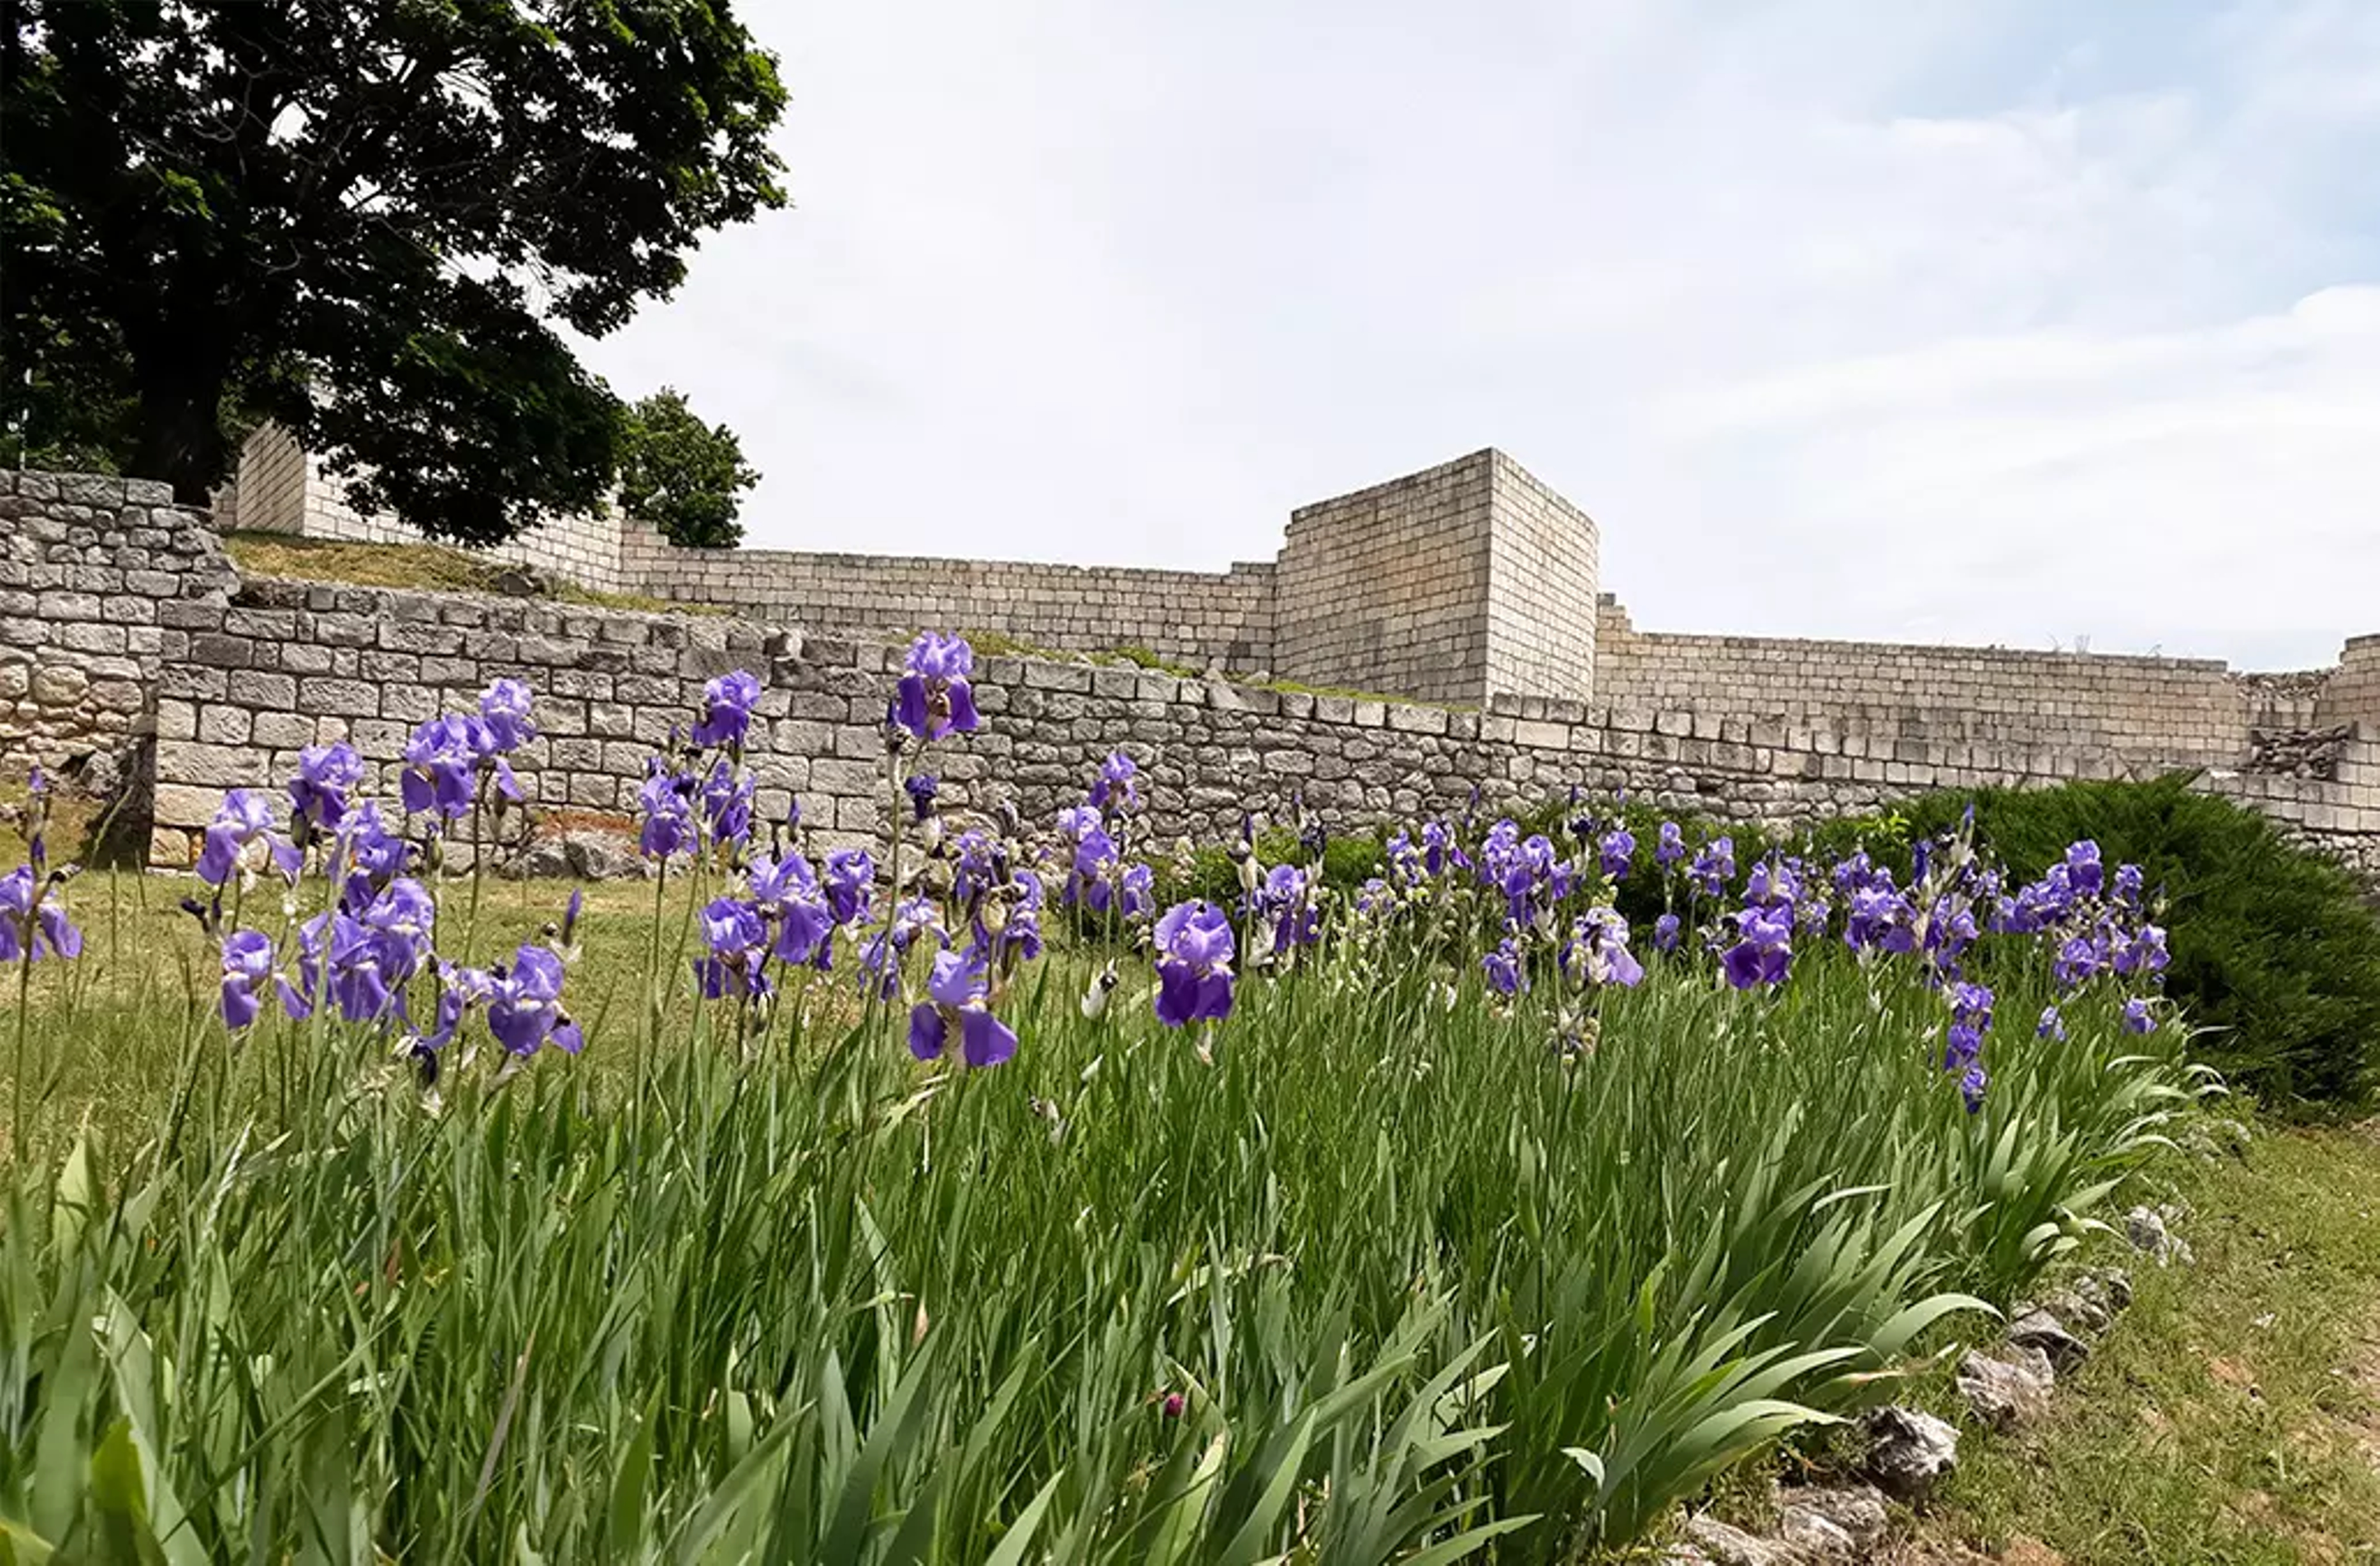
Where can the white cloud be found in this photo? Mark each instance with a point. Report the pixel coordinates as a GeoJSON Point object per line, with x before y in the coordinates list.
{"type": "Point", "coordinates": [1967, 320]}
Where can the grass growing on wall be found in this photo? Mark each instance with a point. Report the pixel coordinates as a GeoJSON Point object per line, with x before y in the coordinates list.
{"type": "Point", "coordinates": [419, 568]}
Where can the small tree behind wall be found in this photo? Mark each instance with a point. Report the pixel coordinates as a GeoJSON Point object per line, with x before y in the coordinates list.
{"type": "Point", "coordinates": [681, 475]}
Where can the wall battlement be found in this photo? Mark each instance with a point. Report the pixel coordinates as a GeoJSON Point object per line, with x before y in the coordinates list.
{"type": "Point", "coordinates": [1469, 592]}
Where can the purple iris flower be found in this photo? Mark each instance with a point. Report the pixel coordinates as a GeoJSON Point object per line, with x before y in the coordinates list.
{"type": "Point", "coordinates": [727, 803]}
{"type": "Point", "coordinates": [503, 716]}
{"type": "Point", "coordinates": [881, 958]}
{"type": "Point", "coordinates": [1136, 892]}
{"type": "Point", "coordinates": [2138, 1018]}
{"type": "Point", "coordinates": [2128, 885]}
{"type": "Point", "coordinates": [1880, 919]}
{"type": "Point", "coordinates": [1670, 845]}
{"type": "Point", "coordinates": [664, 800]}
{"type": "Point", "coordinates": [1714, 866]}
{"type": "Point", "coordinates": [1972, 1084]}
{"type": "Point", "coordinates": [850, 877]}
{"type": "Point", "coordinates": [738, 938]}
{"type": "Point", "coordinates": [1115, 783]}
{"type": "Point", "coordinates": [1438, 847]}
{"type": "Point", "coordinates": [246, 966]}
{"type": "Point", "coordinates": [1504, 969]}
{"type": "Point", "coordinates": [1194, 964]}
{"type": "Point", "coordinates": [1404, 859]}
{"type": "Point", "coordinates": [973, 865]}
{"type": "Point", "coordinates": [1764, 950]}
{"type": "Point", "coordinates": [326, 774]}
{"type": "Point", "coordinates": [2083, 866]}
{"type": "Point", "coordinates": [955, 993]}
{"type": "Point", "coordinates": [1665, 933]}
{"type": "Point", "coordinates": [935, 697]}
{"type": "Point", "coordinates": [32, 920]}
{"type": "Point", "coordinates": [1286, 901]}
{"type": "Point", "coordinates": [1597, 950]}
{"type": "Point", "coordinates": [440, 758]}
{"type": "Point", "coordinates": [1076, 822]}
{"type": "Point", "coordinates": [374, 856]}
{"type": "Point", "coordinates": [525, 1005]}
{"type": "Point", "coordinates": [245, 816]}
{"type": "Point", "coordinates": [1617, 852]}
{"type": "Point", "coordinates": [727, 704]}
{"type": "Point", "coordinates": [2052, 1025]}
{"type": "Point", "coordinates": [1962, 1043]}
{"type": "Point", "coordinates": [786, 890]}
{"type": "Point", "coordinates": [1095, 862]}
{"type": "Point", "coordinates": [921, 790]}
{"type": "Point", "coordinates": [1374, 898]}
{"type": "Point", "coordinates": [2144, 953]}
{"type": "Point", "coordinates": [2079, 957]}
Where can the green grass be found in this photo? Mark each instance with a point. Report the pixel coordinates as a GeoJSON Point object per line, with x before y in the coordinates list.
{"type": "Point", "coordinates": [714, 1286]}
{"type": "Point", "coordinates": [423, 567]}
{"type": "Point", "coordinates": [2233, 1416]}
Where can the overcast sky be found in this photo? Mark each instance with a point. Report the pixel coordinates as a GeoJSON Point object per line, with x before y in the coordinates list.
{"type": "Point", "coordinates": [1990, 321]}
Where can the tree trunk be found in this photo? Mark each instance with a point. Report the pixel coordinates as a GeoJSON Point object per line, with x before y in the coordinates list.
{"type": "Point", "coordinates": [181, 435]}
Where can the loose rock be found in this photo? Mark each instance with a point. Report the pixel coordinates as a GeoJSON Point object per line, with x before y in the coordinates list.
{"type": "Point", "coordinates": [2110, 1288]}
{"type": "Point", "coordinates": [2004, 1391]}
{"type": "Point", "coordinates": [1909, 1451]}
{"type": "Point", "coordinates": [2145, 1228]}
{"type": "Point", "coordinates": [1834, 1522]}
{"type": "Point", "coordinates": [2039, 1330]}
{"type": "Point", "coordinates": [1721, 1545]}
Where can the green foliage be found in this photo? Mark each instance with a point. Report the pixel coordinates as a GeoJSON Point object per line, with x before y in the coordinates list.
{"type": "Point", "coordinates": [681, 475]}
{"type": "Point", "coordinates": [368, 220]}
{"type": "Point", "coordinates": [2275, 950]}
{"type": "Point", "coordinates": [1421, 1282]}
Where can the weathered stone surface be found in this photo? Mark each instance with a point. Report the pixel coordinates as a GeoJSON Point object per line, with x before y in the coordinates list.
{"type": "Point", "coordinates": [2145, 1228]}
{"type": "Point", "coordinates": [1909, 1451]}
{"type": "Point", "coordinates": [2009, 1388]}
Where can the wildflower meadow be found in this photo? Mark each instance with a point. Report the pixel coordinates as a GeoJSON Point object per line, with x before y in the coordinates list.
{"type": "Point", "coordinates": [979, 1197]}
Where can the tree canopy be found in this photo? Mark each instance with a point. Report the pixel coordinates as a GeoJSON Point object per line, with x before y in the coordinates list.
{"type": "Point", "coordinates": [368, 220]}
{"type": "Point", "coordinates": [681, 475]}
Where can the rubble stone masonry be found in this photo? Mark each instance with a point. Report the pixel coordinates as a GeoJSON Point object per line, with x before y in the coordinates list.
{"type": "Point", "coordinates": [129, 646]}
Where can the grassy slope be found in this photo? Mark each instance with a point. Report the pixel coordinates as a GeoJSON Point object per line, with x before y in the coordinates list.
{"type": "Point", "coordinates": [421, 567]}
{"type": "Point", "coordinates": [2234, 1414]}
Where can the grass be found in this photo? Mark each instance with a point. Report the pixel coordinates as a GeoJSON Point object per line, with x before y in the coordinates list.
{"type": "Point", "coordinates": [2233, 1416]}
{"type": "Point", "coordinates": [423, 567]}
{"type": "Point", "coordinates": [782, 1288]}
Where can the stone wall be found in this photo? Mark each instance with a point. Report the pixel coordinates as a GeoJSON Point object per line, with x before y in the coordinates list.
{"type": "Point", "coordinates": [1544, 564]}
{"type": "Point", "coordinates": [120, 622]}
{"type": "Point", "coordinates": [101, 580]}
{"type": "Point", "coordinates": [2169, 712]}
{"type": "Point", "coordinates": [1193, 617]}
{"type": "Point", "coordinates": [1386, 588]}
{"type": "Point", "coordinates": [281, 489]}
{"type": "Point", "coordinates": [2351, 694]}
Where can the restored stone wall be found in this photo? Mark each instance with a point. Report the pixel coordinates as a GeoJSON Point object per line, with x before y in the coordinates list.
{"type": "Point", "coordinates": [1193, 617]}
{"type": "Point", "coordinates": [281, 489]}
{"type": "Point", "coordinates": [1386, 589]}
{"type": "Point", "coordinates": [2352, 695]}
{"type": "Point", "coordinates": [1543, 564]}
{"type": "Point", "coordinates": [2169, 711]}
{"type": "Point", "coordinates": [100, 581]}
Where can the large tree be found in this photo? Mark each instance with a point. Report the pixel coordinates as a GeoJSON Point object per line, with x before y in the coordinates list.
{"type": "Point", "coordinates": [681, 475]}
{"type": "Point", "coordinates": [365, 219]}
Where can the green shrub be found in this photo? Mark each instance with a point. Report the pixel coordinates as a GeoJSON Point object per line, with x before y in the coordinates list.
{"type": "Point", "coordinates": [2275, 950]}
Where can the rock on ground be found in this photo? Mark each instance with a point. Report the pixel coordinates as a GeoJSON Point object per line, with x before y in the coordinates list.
{"type": "Point", "coordinates": [1909, 1451]}
{"type": "Point", "coordinates": [2004, 1391]}
{"type": "Point", "coordinates": [2038, 1329]}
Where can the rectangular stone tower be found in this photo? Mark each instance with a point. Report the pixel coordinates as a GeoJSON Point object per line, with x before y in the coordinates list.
{"type": "Point", "coordinates": [1463, 581]}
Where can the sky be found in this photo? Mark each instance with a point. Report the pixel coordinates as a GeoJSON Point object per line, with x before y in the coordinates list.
{"type": "Point", "coordinates": [2021, 322]}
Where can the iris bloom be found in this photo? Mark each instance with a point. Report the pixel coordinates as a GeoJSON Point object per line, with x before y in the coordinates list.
{"type": "Point", "coordinates": [2138, 1018]}
{"type": "Point", "coordinates": [247, 966]}
{"type": "Point", "coordinates": [503, 716]}
{"type": "Point", "coordinates": [1714, 866]}
{"type": "Point", "coordinates": [727, 704]}
{"type": "Point", "coordinates": [1286, 900]}
{"type": "Point", "coordinates": [1665, 933]}
{"type": "Point", "coordinates": [1114, 785]}
{"type": "Point", "coordinates": [440, 759]}
{"type": "Point", "coordinates": [1617, 852]}
{"type": "Point", "coordinates": [727, 803]}
{"type": "Point", "coordinates": [955, 1005]}
{"type": "Point", "coordinates": [935, 697]}
{"type": "Point", "coordinates": [850, 875]}
{"type": "Point", "coordinates": [1764, 950]}
{"type": "Point", "coordinates": [326, 774]}
{"type": "Point", "coordinates": [1670, 845]}
{"type": "Point", "coordinates": [2083, 866]}
{"type": "Point", "coordinates": [1502, 967]}
{"type": "Point", "coordinates": [1194, 964]}
{"type": "Point", "coordinates": [1972, 1084]}
{"type": "Point", "coordinates": [664, 800]}
{"type": "Point", "coordinates": [244, 818]}
{"type": "Point", "coordinates": [32, 920]}
{"type": "Point", "coordinates": [525, 1005]}
{"type": "Point", "coordinates": [738, 938]}
{"type": "Point", "coordinates": [786, 891]}
{"type": "Point", "coordinates": [1597, 950]}
{"type": "Point", "coordinates": [2052, 1025]}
